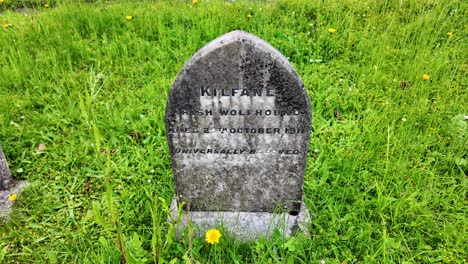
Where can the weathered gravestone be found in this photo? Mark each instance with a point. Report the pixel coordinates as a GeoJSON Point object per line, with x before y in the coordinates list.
{"type": "Point", "coordinates": [5, 175]}
{"type": "Point", "coordinates": [238, 123]}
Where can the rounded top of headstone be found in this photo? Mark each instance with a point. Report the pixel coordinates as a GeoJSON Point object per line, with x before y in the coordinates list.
{"type": "Point", "coordinates": [238, 59]}
{"type": "Point", "coordinates": [241, 37]}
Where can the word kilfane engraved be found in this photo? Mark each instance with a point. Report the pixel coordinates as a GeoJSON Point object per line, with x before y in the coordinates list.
{"type": "Point", "coordinates": [238, 124]}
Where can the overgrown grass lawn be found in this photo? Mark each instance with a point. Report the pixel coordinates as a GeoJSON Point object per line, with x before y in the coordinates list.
{"type": "Point", "coordinates": [83, 88]}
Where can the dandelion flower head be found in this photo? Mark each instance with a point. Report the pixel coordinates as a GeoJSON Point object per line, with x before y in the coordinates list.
{"type": "Point", "coordinates": [13, 197]}
{"type": "Point", "coordinates": [195, 2]}
{"type": "Point", "coordinates": [129, 18]}
{"type": "Point", "coordinates": [426, 77]}
{"type": "Point", "coordinates": [331, 30]}
{"type": "Point", "coordinates": [212, 236]}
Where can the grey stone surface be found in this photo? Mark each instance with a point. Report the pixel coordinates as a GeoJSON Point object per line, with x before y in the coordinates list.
{"type": "Point", "coordinates": [5, 176]}
{"type": "Point", "coordinates": [8, 186]}
{"type": "Point", "coordinates": [245, 226]}
{"type": "Point", "coordinates": [5, 203]}
{"type": "Point", "coordinates": [238, 124]}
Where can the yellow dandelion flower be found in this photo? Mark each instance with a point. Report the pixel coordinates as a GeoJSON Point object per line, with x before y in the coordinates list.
{"type": "Point", "coordinates": [249, 16]}
{"type": "Point", "coordinates": [449, 34]}
{"type": "Point", "coordinates": [426, 77]}
{"type": "Point", "coordinates": [1, 1]}
{"type": "Point", "coordinates": [13, 197]}
{"type": "Point", "coordinates": [212, 236]}
{"type": "Point", "coordinates": [46, 5]}
{"type": "Point", "coordinates": [331, 30]}
{"type": "Point", "coordinates": [6, 25]}
{"type": "Point", "coordinates": [129, 18]}
{"type": "Point", "coordinates": [195, 2]}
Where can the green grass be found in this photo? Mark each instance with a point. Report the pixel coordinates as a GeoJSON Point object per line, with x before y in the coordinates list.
{"type": "Point", "coordinates": [386, 181]}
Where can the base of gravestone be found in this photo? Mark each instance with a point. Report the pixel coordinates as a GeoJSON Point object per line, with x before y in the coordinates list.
{"type": "Point", "coordinates": [6, 203]}
{"type": "Point", "coordinates": [244, 226]}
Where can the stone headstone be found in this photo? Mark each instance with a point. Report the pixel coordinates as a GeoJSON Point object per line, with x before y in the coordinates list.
{"type": "Point", "coordinates": [5, 175]}
{"type": "Point", "coordinates": [238, 122]}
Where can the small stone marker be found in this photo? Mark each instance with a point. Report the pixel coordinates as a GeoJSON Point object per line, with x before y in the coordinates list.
{"type": "Point", "coordinates": [5, 175]}
{"type": "Point", "coordinates": [238, 123]}
{"type": "Point", "coordinates": [8, 186]}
